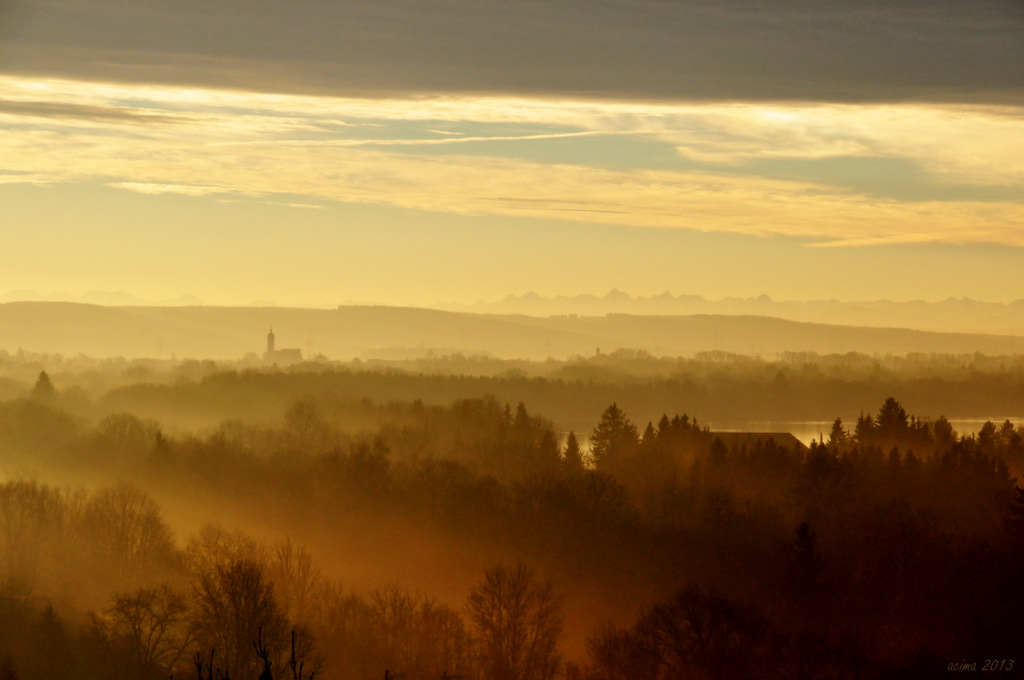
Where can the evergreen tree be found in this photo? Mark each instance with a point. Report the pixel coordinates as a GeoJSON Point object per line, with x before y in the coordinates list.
{"type": "Point", "coordinates": [614, 438]}
{"type": "Point", "coordinates": [838, 436]}
{"type": "Point", "coordinates": [521, 421]}
{"type": "Point", "coordinates": [944, 434]}
{"type": "Point", "coordinates": [43, 390]}
{"type": "Point", "coordinates": [865, 430]}
{"type": "Point", "coordinates": [573, 454]}
{"type": "Point", "coordinates": [892, 424]}
{"type": "Point", "coordinates": [664, 427]}
{"type": "Point", "coordinates": [648, 442]}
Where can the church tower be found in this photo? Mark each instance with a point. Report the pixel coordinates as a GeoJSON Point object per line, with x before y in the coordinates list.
{"type": "Point", "coordinates": [284, 357]}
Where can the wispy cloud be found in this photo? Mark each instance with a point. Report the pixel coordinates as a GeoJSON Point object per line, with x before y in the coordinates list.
{"type": "Point", "coordinates": [203, 142]}
{"type": "Point", "coordinates": [104, 114]}
{"type": "Point", "coordinates": [467, 140]}
{"type": "Point", "coordinates": [184, 189]}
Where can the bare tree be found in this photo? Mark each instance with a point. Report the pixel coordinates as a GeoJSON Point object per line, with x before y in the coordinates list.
{"type": "Point", "coordinates": [152, 627]}
{"type": "Point", "coordinates": [442, 642]}
{"type": "Point", "coordinates": [33, 520]}
{"type": "Point", "coordinates": [233, 600]}
{"type": "Point", "coordinates": [297, 666]}
{"type": "Point", "coordinates": [395, 611]}
{"type": "Point", "coordinates": [264, 655]}
{"type": "Point", "coordinates": [619, 655]}
{"type": "Point", "coordinates": [296, 580]}
{"type": "Point", "coordinates": [127, 533]}
{"type": "Point", "coordinates": [212, 672]}
{"type": "Point", "coordinates": [343, 624]}
{"type": "Point", "coordinates": [518, 621]}
{"type": "Point", "coordinates": [702, 631]}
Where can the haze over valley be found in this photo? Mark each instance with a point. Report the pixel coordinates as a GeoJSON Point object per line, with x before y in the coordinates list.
{"type": "Point", "coordinates": [376, 332]}
{"type": "Point", "coordinates": [533, 340]}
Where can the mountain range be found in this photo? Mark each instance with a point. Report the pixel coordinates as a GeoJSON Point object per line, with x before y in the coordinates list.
{"type": "Point", "coordinates": [368, 332]}
{"type": "Point", "coordinates": [951, 315]}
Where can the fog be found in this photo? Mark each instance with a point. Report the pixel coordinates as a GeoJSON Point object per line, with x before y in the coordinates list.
{"type": "Point", "coordinates": [538, 488]}
{"type": "Point", "coordinates": [387, 512]}
{"type": "Point", "coordinates": [379, 332]}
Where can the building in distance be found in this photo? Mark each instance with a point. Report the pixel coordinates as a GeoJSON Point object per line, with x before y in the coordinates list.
{"type": "Point", "coordinates": [280, 356]}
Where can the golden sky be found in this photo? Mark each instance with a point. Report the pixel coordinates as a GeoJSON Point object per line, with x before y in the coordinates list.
{"type": "Point", "coordinates": [238, 190]}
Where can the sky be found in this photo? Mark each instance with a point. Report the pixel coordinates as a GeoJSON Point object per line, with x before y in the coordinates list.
{"type": "Point", "coordinates": [320, 152]}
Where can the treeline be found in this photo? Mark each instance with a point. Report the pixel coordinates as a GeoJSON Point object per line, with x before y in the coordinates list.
{"type": "Point", "coordinates": [890, 550]}
{"type": "Point", "coordinates": [230, 606]}
{"type": "Point", "coordinates": [721, 387]}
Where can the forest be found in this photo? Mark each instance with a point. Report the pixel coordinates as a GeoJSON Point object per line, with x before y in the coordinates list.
{"type": "Point", "coordinates": [221, 521]}
{"type": "Point", "coordinates": [193, 394]}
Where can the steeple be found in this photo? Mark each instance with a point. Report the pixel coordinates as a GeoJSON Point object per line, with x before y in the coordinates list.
{"type": "Point", "coordinates": [280, 356]}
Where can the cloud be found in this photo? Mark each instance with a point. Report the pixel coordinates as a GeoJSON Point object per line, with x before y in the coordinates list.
{"type": "Point", "coordinates": [184, 189]}
{"type": "Point", "coordinates": [468, 140]}
{"type": "Point", "coordinates": [844, 50]}
{"type": "Point", "coordinates": [105, 114]}
{"type": "Point", "coordinates": [966, 144]}
{"type": "Point", "coordinates": [203, 142]}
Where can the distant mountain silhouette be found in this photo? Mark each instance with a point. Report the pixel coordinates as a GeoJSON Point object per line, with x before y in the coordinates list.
{"type": "Point", "coordinates": [951, 315]}
{"type": "Point", "coordinates": [368, 331]}
{"type": "Point", "coordinates": [96, 297]}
